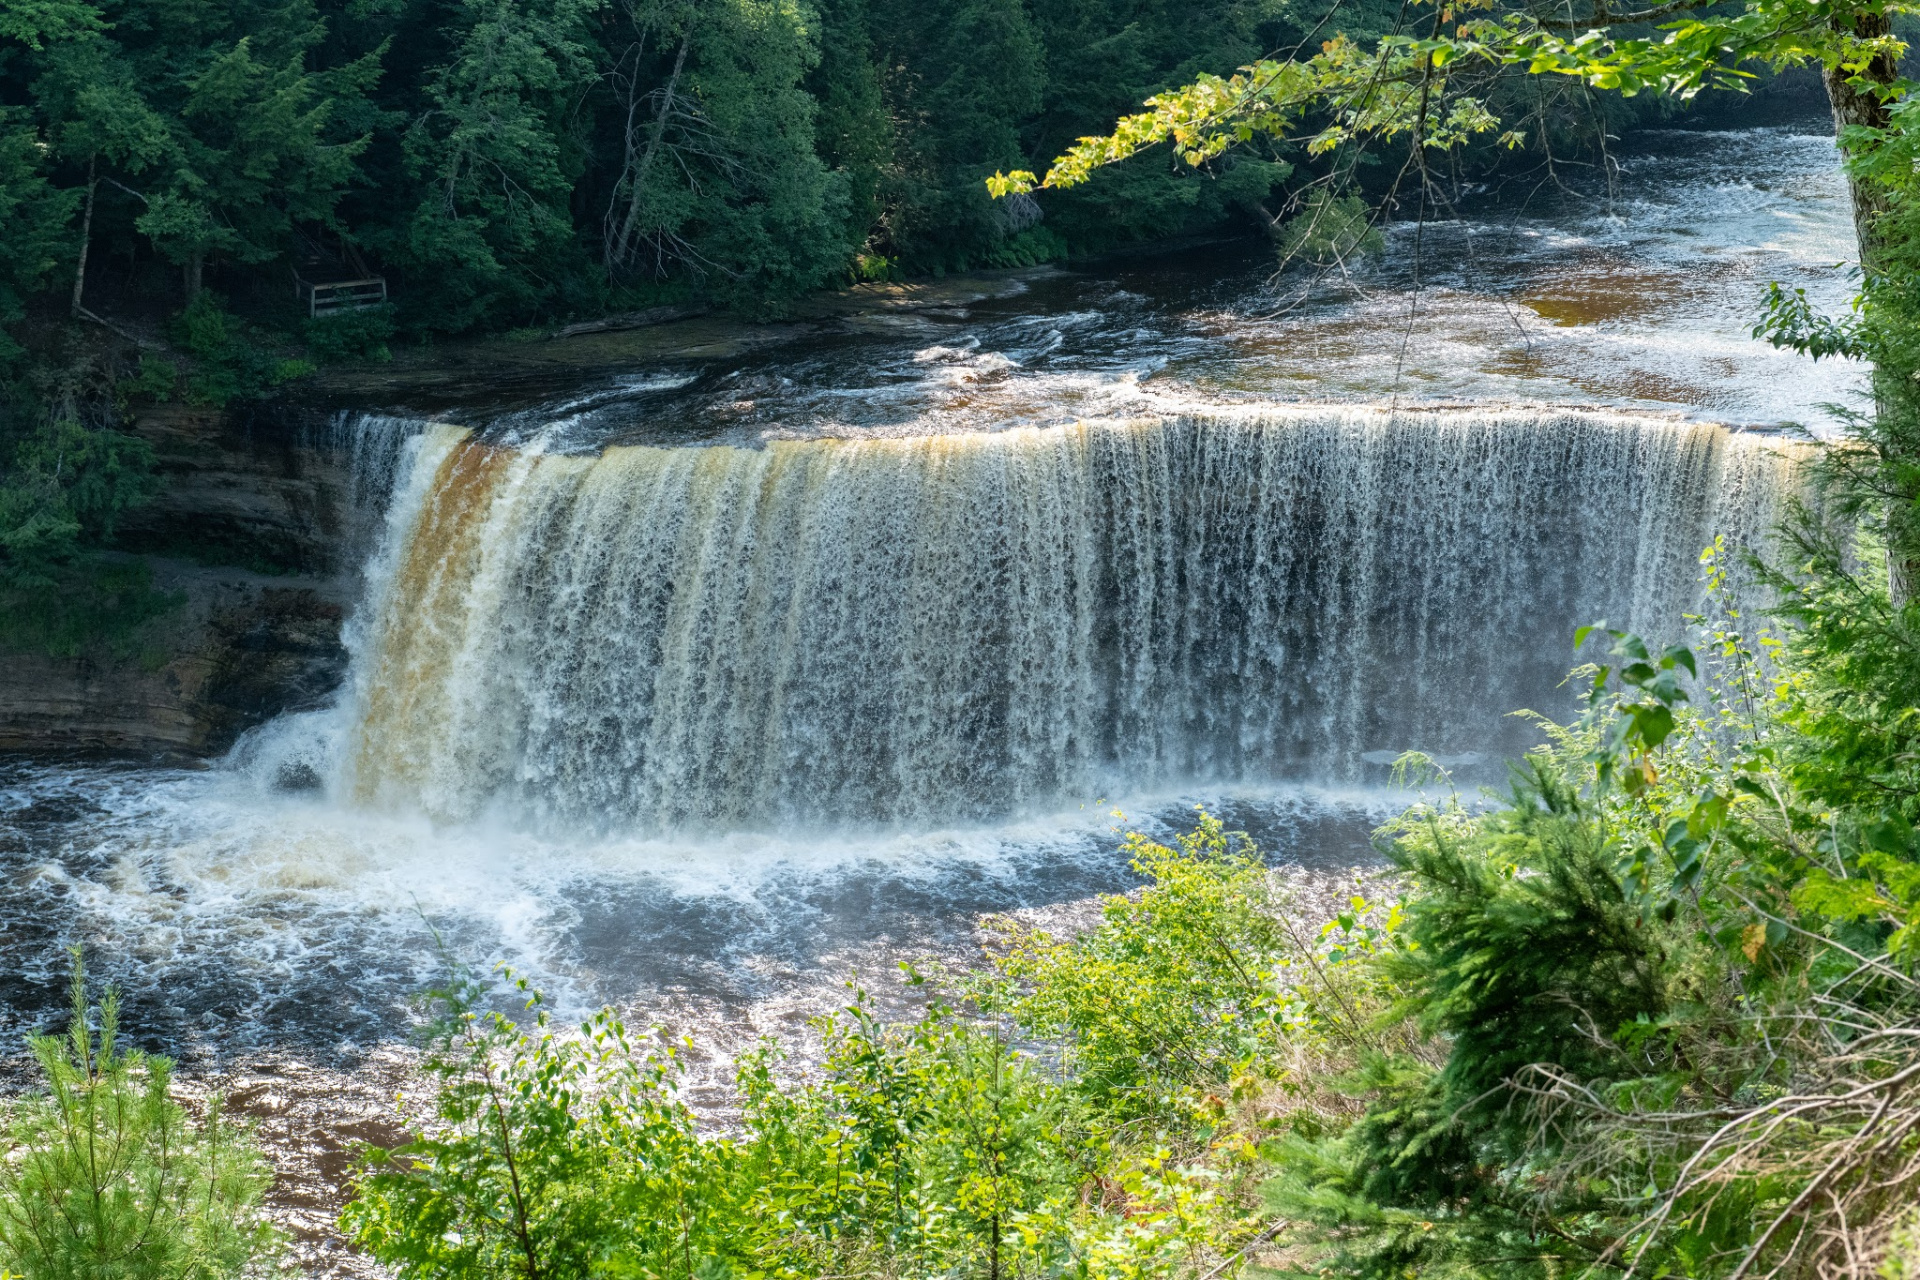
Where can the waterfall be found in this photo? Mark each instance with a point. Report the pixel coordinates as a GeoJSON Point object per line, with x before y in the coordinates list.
{"type": "Point", "coordinates": [947, 628]}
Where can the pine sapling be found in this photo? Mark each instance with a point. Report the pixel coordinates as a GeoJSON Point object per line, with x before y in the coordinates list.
{"type": "Point", "coordinates": [107, 1177]}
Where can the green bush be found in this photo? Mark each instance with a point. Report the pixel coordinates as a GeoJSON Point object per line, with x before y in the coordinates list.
{"type": "Point", "coordinates": [65, 488]}
{"type": "Point", "coordinates": [345, 336]}
{"type": "Point", "coordinates": [98, 605]}
{"type": "Point", "coordinates": [944, 1146]}
{"type": "Point", "coordinates": [547, 1155]}
{"type": "Point", "coordinates": [1176, 991]}
{"type": "Point", "coordinates": [232, 359]}
{"type": "Point", "coordinates": [935, 1144]}
{"type": "Point", "coordinates": [1027, 248]}
{"type": "Point", "coordinates": [108, 1178]}
{"type": "Point", "coordinates": [1330, 229]}
{"type": "Point", "coordinates": [155, 382]}
{"type": "Point", "coordinates": [1668, 987]}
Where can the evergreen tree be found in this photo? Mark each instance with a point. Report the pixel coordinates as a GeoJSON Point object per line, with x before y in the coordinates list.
{"type": "Point", "coordinates": [854, 132]}
{"type": "Point", "coordinates": [962, 77]}
{"type": "Point", "coordinates": [108, 1178]}
{"type": "Point", "coordinates": [205, 117]}
{"type": "Point", "coordinates": [493, 159]}
{"type": "Point", "coordinates": [34, 217]}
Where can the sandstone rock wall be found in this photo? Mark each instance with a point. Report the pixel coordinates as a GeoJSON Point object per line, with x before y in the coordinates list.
{"type": "Point", "coordinates": [259, 487]}
{"type": "Point", "coordinates": [248, 533]}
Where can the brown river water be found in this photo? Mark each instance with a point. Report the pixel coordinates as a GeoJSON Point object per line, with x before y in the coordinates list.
{"type": "Point", "coordinates": [702, 670]}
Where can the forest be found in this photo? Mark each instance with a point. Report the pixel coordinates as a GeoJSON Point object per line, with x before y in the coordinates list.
{"type": "Point", "coordinates": [508, 161]}
{"type": "Point", "coordinates": [1652, 1008]}
{"type": "Point", "coordinates": [175, 178]}
{"type": "Point", "coordinates": [169, 172]}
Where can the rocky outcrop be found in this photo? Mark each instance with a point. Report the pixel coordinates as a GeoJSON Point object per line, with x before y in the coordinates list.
{"type": "Point", "coordinates": [239, 649]}
{"type": "Point", "coordinates": [261, 488]}
{"type": "Point", "coordinates": [246, 536]}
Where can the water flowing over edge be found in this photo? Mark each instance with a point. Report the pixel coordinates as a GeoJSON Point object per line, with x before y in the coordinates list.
{"type": "Point", "coordinates": [828, 633]}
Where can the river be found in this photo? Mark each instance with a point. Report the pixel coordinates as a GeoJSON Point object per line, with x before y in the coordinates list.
{"type": "Point", "coordinates": [693, 684]}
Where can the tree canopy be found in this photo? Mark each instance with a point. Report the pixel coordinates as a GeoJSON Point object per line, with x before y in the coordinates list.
{"type": "Point", "coordinates": [1437, 80]}
{"type": "Point", "coordinates": [507, 161]}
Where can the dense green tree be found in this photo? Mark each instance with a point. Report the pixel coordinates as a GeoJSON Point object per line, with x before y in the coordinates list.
{"type": "Point", "coordinates": [493, 159]}
{"type": "Point", "coordinates": [34, 217]}
{"type": "Point", "coordinates": [206, 117]}
{"type": "Point", "coordinates": [718, 176]}
{"type": "Point", "coordinates": [961, 76]}
{"type": "Point", "coordinates": [854, 131]}
{"type": "Point", "coordinates": [253, 154]}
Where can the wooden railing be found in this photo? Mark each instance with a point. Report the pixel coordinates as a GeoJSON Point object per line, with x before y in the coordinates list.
{"type": "Point", "coordinates": [341, 295]}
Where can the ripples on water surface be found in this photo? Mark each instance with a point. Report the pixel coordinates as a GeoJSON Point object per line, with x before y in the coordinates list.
{"type": "Point", "coordinates": [241, 914]}
{"type": "Point", "coordinates": [238, 917]}
{"type": "Point", "coordinates": [1645, 297]}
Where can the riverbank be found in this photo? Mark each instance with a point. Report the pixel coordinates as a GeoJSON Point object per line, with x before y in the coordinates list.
{"type": "Point", "coordinates": [311, 1113]}
{"type": "Point", "coordinates": [504, 372]}
{"type": "Point", "coordinates": [230, 649]}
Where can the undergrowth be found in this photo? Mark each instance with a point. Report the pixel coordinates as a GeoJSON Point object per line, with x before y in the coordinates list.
{"type": "Point", "coordinates": [1649, 1010]}
{"type": "Point", "coordinates": [108, 1177]}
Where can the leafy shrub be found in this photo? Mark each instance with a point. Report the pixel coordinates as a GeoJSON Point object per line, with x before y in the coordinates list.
{"type": "Point", "coordinates": [1027, 248]}
{"type": "Point", "coordinates": [1175, 991]}
{"type": "Point", "coordinates": [97, 605]}
{"type": "Point", "coordinates": [360, 334]}
{"type": "Point", "coordinates": [546, 1156]}
{"type": "Point", "coordinates": [108, 1178]}
{"type": "Point", "coordinates": [65, 487]}
{"type": "Point", "coordinates": [155, 381]}
{"type": "Point", "coordinates": [1667, 1035]}
{"type": "Point", "coordinates": [872, 267]}
{"type": "Point", "coordinates": [1330, 229]}
{"type": "Point", "coordinates": [233, 360]}
{"type": "Point", "coordinates": [945, 1146]}
{"type": "Point", "coordinates": [935, 1143]}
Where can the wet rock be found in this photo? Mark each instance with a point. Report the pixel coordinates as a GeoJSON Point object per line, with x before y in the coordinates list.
{"type": "Point", "coordinates": [258, 488]}
{"type": "Point", "coordinates": [241, 648]}
{"type": "Point", "coordinates": [248, 535]}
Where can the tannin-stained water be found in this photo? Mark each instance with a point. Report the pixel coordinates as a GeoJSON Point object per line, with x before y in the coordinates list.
{"type": "Point", "coordinates": [839, 634]}
{"type": "Point", "coordinates": [710, 672]}
{"type": "Point", "coordinates": [1639, 293]}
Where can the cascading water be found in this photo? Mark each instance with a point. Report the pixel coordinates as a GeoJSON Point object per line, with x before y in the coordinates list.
{"type": "Point", "coordinates": [917, 630]}
{"type": "Point", "coordinates": [613, 711]}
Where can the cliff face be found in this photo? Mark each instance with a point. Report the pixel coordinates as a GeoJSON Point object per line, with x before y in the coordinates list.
{"type": "Point", "coordinates": [263, 488]}
{"type": "Point", "coordinates": [240, 649]}
{"type": "Point", "coordinates": [246, 536]}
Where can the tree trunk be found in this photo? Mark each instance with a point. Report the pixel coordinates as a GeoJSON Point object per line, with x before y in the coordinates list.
{"type": "Point", "coordinates": [192, 270]}
{"type": "Point", "coordinates": [1859, 105]}
{"type": "Point", "coordinates": [86, 242]}
{"type": "Point", "coordinates": [636, 193]}
{"type": "Point", "coordinates": [1900, 571]}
